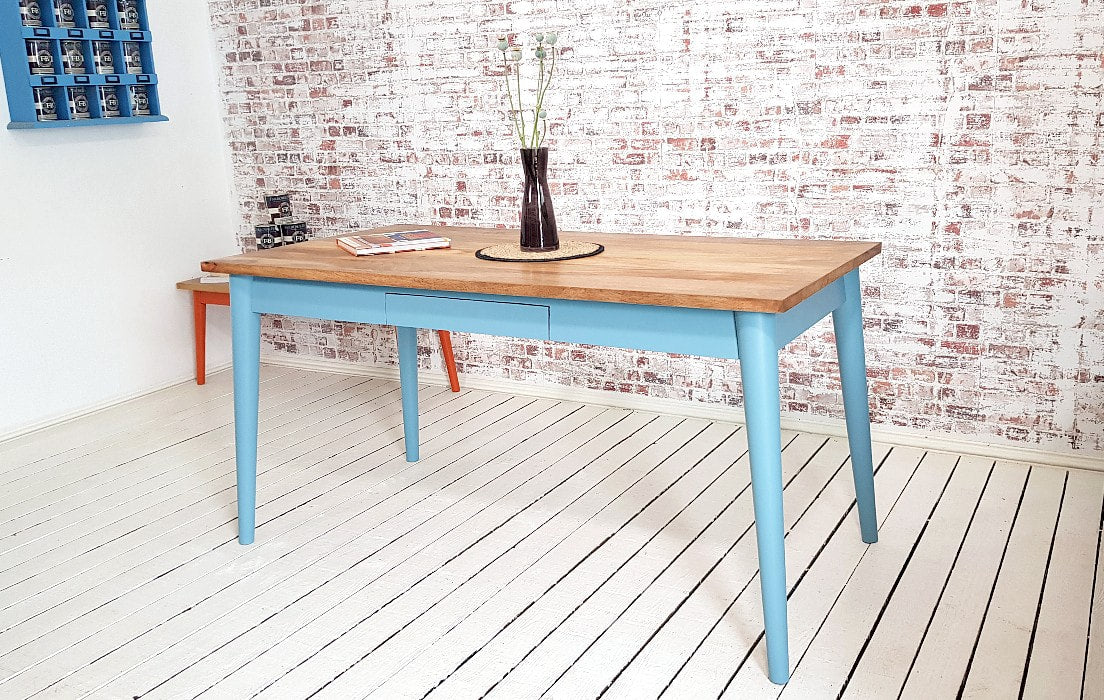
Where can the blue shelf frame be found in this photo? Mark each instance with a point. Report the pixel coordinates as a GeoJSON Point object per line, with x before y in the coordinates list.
{"type": "Point", "coordinates": [102, 121]}
{"type": "Point", "coordinates": [20, 83]}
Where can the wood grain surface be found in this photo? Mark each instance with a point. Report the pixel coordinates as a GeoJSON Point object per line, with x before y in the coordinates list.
{"type": "Point", "coordinates": [194, 285]}
{"type": "Point", "coordinates": [737, 274]}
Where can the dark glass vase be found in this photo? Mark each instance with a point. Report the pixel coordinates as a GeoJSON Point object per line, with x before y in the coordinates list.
{"type": "Point", "coordinates": [538, 221]}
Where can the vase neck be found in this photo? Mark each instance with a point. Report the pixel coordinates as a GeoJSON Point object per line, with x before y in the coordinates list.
{"type": "Point", "coordinates": [534, 163]}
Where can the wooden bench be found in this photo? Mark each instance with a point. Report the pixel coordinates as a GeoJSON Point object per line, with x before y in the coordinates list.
{"type": "Point", "coordinates": [204, 293]}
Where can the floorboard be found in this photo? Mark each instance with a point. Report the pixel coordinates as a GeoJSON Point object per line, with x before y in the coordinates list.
{"type": "Point", "coordinates": [939, 663]}
{"type": "Point", "coordinates": [1055, 659]}
{"type": "Point", "coordinates": [902, 620]}
{"type": "Point", "coordinates": [999, 656]}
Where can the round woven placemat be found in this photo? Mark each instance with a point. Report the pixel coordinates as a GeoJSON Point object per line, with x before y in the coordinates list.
{"type": "Point", "coordinates": [512, 252]}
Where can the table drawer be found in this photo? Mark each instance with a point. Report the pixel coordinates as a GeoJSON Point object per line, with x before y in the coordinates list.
{"type": "Point", "coordinates": [705, 332]}
{"type": "Point", "coordinates": [468, 315]}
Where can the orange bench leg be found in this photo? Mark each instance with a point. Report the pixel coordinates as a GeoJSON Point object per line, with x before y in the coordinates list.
{"type": "Point", "coordinates": [199, 310]}
{"type": "Point", "coordinates": [200, 300]}
{"type": "Point", "coordinates": [450, 361]}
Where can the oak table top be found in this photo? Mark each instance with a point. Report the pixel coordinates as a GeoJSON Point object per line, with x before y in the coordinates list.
{"type": "Point", "coordinates": [732, 274]}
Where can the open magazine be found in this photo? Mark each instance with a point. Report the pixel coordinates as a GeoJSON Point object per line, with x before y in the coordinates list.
{"type": "Point", "coordinates": [396, 242]}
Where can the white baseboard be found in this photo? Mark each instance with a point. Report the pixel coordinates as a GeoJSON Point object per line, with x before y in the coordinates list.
{"type": "Point", "coordinates": [104, 405]}
{"type": "Point", "coordinates": [905, 437]}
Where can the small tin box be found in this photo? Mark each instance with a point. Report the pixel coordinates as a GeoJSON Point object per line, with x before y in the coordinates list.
{"type": "Point", "coordinates": [40, 58]}
{"type": "Point", "coordinates": [128, 14]}
{"type": "Point", "coordinates": [30, 12]}
{"type": "Point", "coordinates": [72, 57]}
{"type": "Point", "coordinates": [78, 103]}
{"type": "Point", "coordinates": [279, 206]}
{"type": "Point", "coordinates": [105, 60]}
{"type": "Point", "coordinates": [45, 104]}
{"type": "Point", "coordinates": [98, 16]}
{"type": "Point", "coordinates": [139, 101]}
{"type": "Point", "coordinates": [268, 236]}
{"type": "Point", "coordinates": [132, 54]}
{"type": "Point", "coordinates": [65, 13]}
{"type": "Point", "coordinates": [109, 101]}
{"type": "Point", "coordinates": [294, 231]}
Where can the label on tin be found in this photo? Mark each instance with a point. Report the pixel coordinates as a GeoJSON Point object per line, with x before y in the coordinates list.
{"type": "Point", "coordinates": [39, 57]}
{"type": "Point", "coordinates": [268, 236]}
{"type": "Point", "coordinates": [105, 61]}
{"type": "Point", "coordinates": [139, 101]}
{"type": "Point", "coordinates": [279, 206]}
{"type": "Point", "coordinates": [65, 13]}
{"type": "Point", "coordinates": [128, 14]}
{"type": "Point", "coordinates": [295, 232]}
{"type": "Point", "coordinates": [98, 16]}
{"type": "Point", "coordinates": [78, 104]}
{"type": "Point", "coordinates": [109, 101]}
{"type": "Point", "coordinates": [72, 56]}
{"type": "Point", "coordinates": [30, 13]}
{"type": "Point", "coordinates": [45, 104]}
{"type": "Point", "coordinates": [132, 52]}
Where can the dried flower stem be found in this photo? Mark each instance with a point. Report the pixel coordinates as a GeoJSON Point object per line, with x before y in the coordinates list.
{"type": "Point", "coordinates": [513, 111]}
{"type": "Point", "coordinates": [512, 54]}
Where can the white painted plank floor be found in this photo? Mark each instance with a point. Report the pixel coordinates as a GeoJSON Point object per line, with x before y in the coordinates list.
{"type": "Point", "coordinates": [539, 549]}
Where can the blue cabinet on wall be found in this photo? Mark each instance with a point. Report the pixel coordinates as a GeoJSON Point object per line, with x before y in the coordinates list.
{"type": "Point", "coordinates": [77, 63]}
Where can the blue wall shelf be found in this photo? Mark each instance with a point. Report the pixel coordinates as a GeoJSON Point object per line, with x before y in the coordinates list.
{"type": "Point", "coordinates": [80, 75]}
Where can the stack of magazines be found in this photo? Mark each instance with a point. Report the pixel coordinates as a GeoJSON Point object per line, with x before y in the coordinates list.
{"type": "Point", "coordinates": [397, 242]}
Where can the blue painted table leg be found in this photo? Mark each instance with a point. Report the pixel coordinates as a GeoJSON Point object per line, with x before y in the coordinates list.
{"type": "Point", "coordinates": [756, 344]}
{"type": "Point", "coordinates": [847, 320]}
{"type": "Point", "coordinates": [246, 327]}
{"type": "Point", "coordinates": [408, 378]}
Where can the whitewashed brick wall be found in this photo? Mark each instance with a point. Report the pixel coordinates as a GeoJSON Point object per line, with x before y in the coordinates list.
{"type": "Point", "coordinates": [967, 136]}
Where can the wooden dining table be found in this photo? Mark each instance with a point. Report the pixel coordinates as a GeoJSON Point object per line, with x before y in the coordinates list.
{"type": "Point", "coordinates": [730, 298]}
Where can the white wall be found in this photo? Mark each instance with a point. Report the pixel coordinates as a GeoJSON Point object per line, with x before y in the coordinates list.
{"type": "Point", "coordinates": [97, 224]}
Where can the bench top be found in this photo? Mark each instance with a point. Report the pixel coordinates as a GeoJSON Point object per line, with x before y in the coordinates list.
{"type": "Point", "coordinates": [194, 285]}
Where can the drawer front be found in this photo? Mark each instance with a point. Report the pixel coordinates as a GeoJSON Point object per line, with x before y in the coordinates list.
{"type": "Point", "coordinates": [336, 302]}
{"type": "Point", "coordinates": [468, 315]}
{"type": "Point", "coordinates": [706, 332]}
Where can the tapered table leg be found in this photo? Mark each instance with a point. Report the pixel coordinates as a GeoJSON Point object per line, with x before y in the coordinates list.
{"type": "Point", "coordinates": [756, 343]}
{"type": "Point", "coordinates": [246, 332]}
{"type": "Point", "coordinates": [851, 350]}
{"type": "Point", "coordinates": [408, 378]}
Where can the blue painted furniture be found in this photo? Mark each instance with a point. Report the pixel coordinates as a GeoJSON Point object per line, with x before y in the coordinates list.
{"type": "Point", "coordinates": [798, 282]}
{"type": "Point", "coordinates": [20, 83]}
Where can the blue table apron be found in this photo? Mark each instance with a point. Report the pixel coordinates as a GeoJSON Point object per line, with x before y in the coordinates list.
{"type": "Point", "coordinates": [754, 338]}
